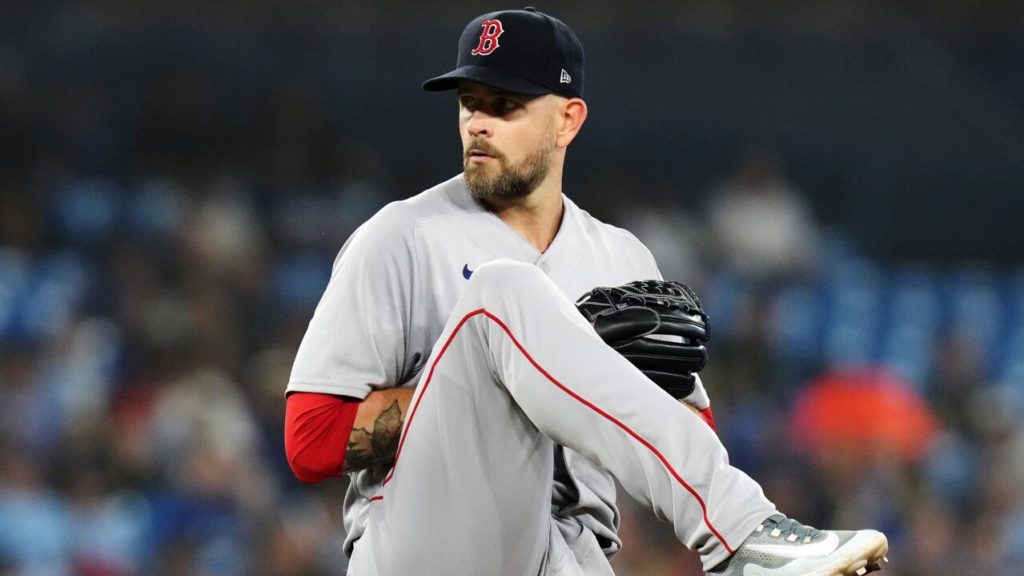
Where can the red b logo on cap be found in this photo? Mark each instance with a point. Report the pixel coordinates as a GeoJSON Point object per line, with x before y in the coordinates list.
{"type": "Point", "coordinates": [489, 38]}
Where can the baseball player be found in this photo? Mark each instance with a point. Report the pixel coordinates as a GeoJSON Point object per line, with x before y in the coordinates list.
{"type": "Point", "coordinates": [479, 414]}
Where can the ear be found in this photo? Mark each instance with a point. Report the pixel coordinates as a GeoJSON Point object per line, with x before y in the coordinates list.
{"type": "Point", "coordinates": [571, 117]}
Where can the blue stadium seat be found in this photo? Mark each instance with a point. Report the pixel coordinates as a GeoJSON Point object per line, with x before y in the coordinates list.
{"type": "Point", "coordinates": [15, 270]}
{"type": "Point", "coordinates": [798, 322]}
{"type": "Point", "coordinates": [975, 308]}
{"type": "Point", "coordinates": [300, 279]}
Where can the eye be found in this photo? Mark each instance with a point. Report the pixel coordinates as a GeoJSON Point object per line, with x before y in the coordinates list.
{"type": "Point", "coordinates": [468, 102]}
{"type": "Point", "coordinates": [504, 105]}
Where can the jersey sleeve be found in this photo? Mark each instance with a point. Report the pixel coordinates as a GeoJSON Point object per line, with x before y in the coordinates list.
{"type": "Point", "coordinates": [357, 340]}
{"type": "Point", "coordinates": [633, 257]}
{"type": "Point", "coordinates": [645, 258]}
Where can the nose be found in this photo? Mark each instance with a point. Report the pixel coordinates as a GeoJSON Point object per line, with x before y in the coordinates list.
{"type": "Point", "coordinates": [478, 124]}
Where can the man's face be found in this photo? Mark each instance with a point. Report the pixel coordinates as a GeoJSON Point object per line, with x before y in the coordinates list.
{"type": "Point", "coordinates": [507, 140]}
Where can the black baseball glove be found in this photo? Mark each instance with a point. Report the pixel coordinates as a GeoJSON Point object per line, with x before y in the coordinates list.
{"type": "Point", "coordinates": [658, 325]}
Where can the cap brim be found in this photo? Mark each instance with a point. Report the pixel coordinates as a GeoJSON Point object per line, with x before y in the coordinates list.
{"type": "Point", "coordinates": [484, 75]}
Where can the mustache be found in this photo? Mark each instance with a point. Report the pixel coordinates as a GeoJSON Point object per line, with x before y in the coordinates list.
{"type": "Point", "coordinates": [482, 146]}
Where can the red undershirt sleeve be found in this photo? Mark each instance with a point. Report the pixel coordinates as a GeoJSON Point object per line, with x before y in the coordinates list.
{"type": "Point", "coordinates": [316, 432]}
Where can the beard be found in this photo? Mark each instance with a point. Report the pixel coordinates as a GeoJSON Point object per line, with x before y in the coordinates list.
{"type": "Point", "coordinates": [513, 181]}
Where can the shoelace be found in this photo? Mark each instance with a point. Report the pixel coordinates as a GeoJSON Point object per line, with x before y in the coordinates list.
{"type": "Point", "coordinates": [779, 526]}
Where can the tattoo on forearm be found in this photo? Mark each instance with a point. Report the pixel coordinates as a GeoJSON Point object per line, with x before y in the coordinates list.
{"type": "Point", "coordinates": [376, 448]}
{"type": "Point", "coordinates": [358, 455]}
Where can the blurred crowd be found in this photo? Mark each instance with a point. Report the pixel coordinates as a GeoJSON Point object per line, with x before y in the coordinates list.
{"type": "Point", "coordinates": [165, 235]}
{"type": "Point", "coordinates": [146, 334]}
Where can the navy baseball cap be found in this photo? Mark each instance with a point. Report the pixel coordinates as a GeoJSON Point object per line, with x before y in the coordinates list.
{"type": "Point", "coordinates": [521, 51]}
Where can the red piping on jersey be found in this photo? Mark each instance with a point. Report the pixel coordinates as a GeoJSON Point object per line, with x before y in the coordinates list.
{"type": "Point", "coordinates": [559, 385]}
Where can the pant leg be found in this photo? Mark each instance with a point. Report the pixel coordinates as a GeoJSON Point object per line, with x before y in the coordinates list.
{"type": "Point", "coordinates": [470, 493]}
{"type": "Point", "coordinates": [517, 368]}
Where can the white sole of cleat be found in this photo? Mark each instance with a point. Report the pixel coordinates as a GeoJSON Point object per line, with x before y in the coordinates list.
{"type": "Point", "coordinates": [864, 566]}
{"type": "Point", "coordinates": [858, 564]}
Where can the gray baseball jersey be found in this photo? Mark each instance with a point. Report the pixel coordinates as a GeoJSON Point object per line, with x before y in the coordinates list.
{"type": "Point", "coordinates": [394, 287]}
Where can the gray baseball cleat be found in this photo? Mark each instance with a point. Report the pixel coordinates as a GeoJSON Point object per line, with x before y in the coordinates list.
{"type": "Point", "coordinates": [781, 546]}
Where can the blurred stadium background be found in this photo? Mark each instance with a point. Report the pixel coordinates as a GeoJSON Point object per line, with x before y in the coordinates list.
{"type": "Point", "coordinates": [842, 181]}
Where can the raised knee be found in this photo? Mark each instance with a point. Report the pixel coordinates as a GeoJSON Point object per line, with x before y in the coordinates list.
{"type": "Point", "coordinates": [504, 274]}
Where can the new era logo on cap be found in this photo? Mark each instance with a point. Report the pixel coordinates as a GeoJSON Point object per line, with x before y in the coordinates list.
{"type": "Point", "coordinates": [521, 51]}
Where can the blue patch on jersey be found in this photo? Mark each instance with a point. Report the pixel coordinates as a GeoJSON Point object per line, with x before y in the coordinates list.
{"type": "Point", "coordinates": [466, 272]}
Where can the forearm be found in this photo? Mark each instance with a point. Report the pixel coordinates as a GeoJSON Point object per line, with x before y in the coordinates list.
{"type": "Point", "coordinates": [326, 435]}
{"type": "Point", "coordinates": [378, 425]}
